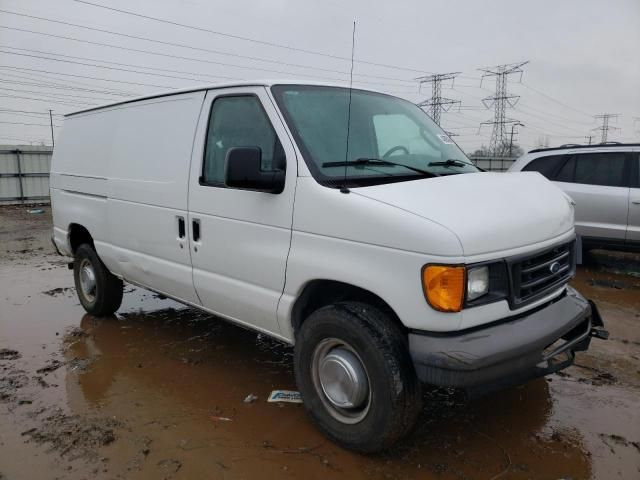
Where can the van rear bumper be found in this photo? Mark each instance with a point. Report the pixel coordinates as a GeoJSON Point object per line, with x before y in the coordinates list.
{"type": "Point", "coordinates": [510, 352]}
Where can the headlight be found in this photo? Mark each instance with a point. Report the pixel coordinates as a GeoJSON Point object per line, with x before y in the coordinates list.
{"type": "Point", "coordinates": [450, 288]}
{"type": "Point", "coordinates": [477, 282]}
{"type": "Point", "coordinates": [443, 287]}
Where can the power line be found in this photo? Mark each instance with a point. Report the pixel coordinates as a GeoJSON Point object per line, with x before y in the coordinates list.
{"type": "Point", "coordinates": [457, 120]}
{"type": "Point", "coordinates": [500, 100]}
{"type": "Point", "coordinates": [69, 103]}
{"type": "Point", "coordinates": [522, 105]}
{"type": "Point", "coordinates": [548, 120]}
{"type": "Point", "coordinates": [534, 127]}
{"type": "Point", "coordinates": [194, 77]}
{"type": "Point", "coordinates": [57, 94]}
{"type": "Point", "coordinates": [30, 124]}
{"type": "Point", "coordinates": [191, 47]}
{"type": "Point", "coordinates": [181, 57]}
{"type": "Point", "coordinates": [58, 87]}
{"type": "Point", "coordinates": [53, 82]}
{"type": "Point", "coordinates": [555, 100]}
{"type": "Point", "coordinates": [119, 47]}
{"type": "Point", "coordinates": [97, 66]}
{"type": "Point", "coordinates": [437, 103]}
{"type": "Point", "coordinates": [31, 76]}
{"type": "Point", "coordinates": [472, 86]}
{"type": "Point", "coordinates": [83, 76]}
{"type": "Point", "coordinates": [41, 140]}
{"type": "Point", "coordinates": [467, 93]}
{"type": "Point", "coordinates": [529, 123]}
{"type": "Point", "coordinates": [29, 111]}
{"type": "Point", "coordinates": [248, 39]}
{"type": "Point", "coordinates": [25, 115]}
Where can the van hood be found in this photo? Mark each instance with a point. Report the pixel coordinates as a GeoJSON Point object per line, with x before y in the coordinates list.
{"type": "Point", "coordinates": [488, 212]}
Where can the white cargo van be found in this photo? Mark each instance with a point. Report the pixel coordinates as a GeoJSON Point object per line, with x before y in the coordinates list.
{"type": "Point", "coordinates": [342, 221]}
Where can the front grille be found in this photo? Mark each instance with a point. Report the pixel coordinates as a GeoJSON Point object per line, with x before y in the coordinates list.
{"type": "Point", "coordinates": [534, 276]}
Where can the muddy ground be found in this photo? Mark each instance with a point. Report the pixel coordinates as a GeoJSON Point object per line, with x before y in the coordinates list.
{"type": "Point", "coordinates": [146, 394]}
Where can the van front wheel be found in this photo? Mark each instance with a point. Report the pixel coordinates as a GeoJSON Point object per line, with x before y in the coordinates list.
{"type": "Point", "coordinates": [99, 291]}
{"type": "Point", "coordinates": [356, 377]}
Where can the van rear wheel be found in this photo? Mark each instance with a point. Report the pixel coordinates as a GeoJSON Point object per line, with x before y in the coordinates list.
{"type": "Point", "coordinates": [356, 376]}
{"type": "Point", "coordinates": [99, 291]}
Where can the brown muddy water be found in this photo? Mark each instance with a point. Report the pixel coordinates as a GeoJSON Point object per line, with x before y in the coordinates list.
{"type": "Point", "coordinates": [143, 395]}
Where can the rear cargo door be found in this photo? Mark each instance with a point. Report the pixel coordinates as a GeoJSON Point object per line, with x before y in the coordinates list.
{"type": "Point", "coordinates": [240, 239]}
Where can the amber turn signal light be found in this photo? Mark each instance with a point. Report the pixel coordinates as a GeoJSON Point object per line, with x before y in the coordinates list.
{"type": "Point", "coordinates": [443, 287]}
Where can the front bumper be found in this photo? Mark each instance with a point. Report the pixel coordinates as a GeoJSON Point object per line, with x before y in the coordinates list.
{"type": "Point", "coordinates": [510, 352]}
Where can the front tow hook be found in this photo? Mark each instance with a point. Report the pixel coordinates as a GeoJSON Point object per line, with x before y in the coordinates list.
{"type": "Point", "coordinates": [597, 328]}
{"type": "Point", "coordinates": [600, 333]}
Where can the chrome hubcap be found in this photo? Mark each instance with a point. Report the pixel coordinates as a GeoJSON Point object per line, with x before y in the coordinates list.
{"type": "Point", "coordinates": [341, 380]}
{"type": "Point", "coordinates": [87, 280]}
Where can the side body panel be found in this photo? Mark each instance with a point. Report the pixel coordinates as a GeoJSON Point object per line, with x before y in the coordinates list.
{"type": "Point", "coordinates": [123, 174]}
{"type": "Point", "coordinates": [239, 262]}
{"type": "Point", "coordinates": [601, 211]}
{"type": "Point", "coordinates": [327, 244]}
{"type": "Point", "coordinates": [78, 179]}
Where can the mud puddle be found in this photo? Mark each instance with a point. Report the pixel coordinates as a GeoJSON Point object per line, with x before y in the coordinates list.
{"type": "Point", "coordinates": [158, 392]}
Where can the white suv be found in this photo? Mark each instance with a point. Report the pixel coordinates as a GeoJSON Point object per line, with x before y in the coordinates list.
{"type": "Point", "coordinates": [342, 221]}
{"type": "Point", "coordinates": [603, 181]}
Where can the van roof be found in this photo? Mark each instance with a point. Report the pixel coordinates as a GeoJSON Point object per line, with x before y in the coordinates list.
{"type": "Point", "coordinates": [198, 88]}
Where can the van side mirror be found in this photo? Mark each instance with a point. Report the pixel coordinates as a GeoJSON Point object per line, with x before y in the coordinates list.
{"type": "Point", "coordinates": [243, 170]}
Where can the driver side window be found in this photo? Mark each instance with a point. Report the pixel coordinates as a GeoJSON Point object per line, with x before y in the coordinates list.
{"type": "Point", "coordinates": [239, 121]}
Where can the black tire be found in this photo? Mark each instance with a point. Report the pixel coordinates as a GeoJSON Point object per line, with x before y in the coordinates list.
{"type": "Point", "coordinates": [395, 396]}
{"type": "Point", "coordinates": [106, 297]}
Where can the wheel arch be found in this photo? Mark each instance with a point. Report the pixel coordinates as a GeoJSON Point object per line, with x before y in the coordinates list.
{"type": "Point", "coordinates": [78, 234]}
{"type": "Point", "coordinates": [322, 292]}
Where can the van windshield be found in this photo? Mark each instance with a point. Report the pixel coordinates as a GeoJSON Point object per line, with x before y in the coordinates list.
{"type": "Point", "coordinates": [390, 139]}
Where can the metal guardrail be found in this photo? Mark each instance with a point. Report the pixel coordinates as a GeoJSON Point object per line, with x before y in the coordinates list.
{"type": "Point", "coordinates": [28, 180]}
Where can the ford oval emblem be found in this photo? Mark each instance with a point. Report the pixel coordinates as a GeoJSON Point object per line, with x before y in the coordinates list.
{"type": "Point", "coordinates": [554, 267]}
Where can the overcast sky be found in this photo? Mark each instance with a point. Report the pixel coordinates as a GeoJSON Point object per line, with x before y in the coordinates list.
{"type": "Point", "coordinates": [584, 56]}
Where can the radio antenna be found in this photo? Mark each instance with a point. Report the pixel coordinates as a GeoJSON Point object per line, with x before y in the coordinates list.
{"type": "Point", "coordinates": [344, 188]}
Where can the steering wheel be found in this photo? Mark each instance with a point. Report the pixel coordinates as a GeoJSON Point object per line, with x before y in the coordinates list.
{"type": "Point", "coordinates": [395, 149]}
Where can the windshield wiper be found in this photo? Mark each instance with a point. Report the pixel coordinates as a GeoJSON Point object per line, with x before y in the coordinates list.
{"type": "Point", "coordinates": [378, 161]}
{"type": "Point", "coordinates": [453, 163]}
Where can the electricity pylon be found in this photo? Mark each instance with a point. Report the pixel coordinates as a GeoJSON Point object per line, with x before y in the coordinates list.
{"type": "Point", "coordinates": [437, 103]}
{"type": "Point", "coordinates": [500, 101]}
{"type": "Point", "coordinates": [605, 127]}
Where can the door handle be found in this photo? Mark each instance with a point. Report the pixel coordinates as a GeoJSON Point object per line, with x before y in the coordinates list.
{"type": "Point", "coordinates": [195, 229]}
{"type": "Point", "coordinates": [635, 202]}
{"type": "Point", "coordinates": [181, 229]}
